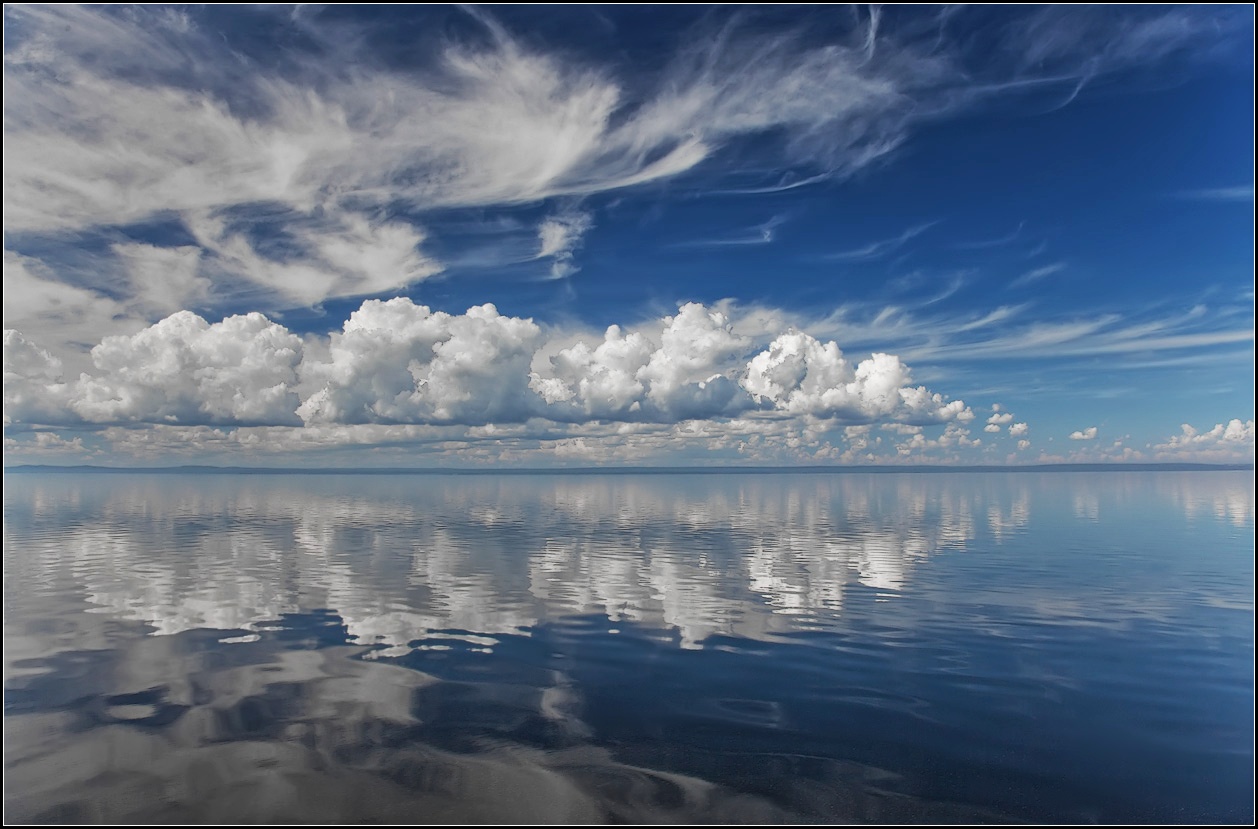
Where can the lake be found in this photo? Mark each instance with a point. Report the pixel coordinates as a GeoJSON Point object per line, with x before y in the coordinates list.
{"type": "Point", "coordinates": [714, 648]}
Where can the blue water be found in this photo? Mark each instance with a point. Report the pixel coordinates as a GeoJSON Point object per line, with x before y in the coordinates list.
{"type": "Point", "coordinates": [986, 647]}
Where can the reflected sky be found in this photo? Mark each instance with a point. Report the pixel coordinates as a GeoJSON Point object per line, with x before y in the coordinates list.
{"type": "Point", "coordinates": [444, 636]}
{"type": "Point", "coordinates": [400, 558]}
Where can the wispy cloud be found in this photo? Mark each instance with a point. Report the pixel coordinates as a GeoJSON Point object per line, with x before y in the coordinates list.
{"type": "Point", "coordinates": [326, 132]}
{"type": "Point", "coordinates": [1004, 333]}
{"type": "Point", "coordinates": [999, 241]}
{"type": "Point", "coordinates": [1238, 193]}
{"type": "Point", "coordinates": [881, 248]}
{"type": "Point", "coordinates": [1037, 274]}
{"type": "Point", "coordinates": [559, 237]}
{"type": "Point", "coordinates": [761, 234]}
{"type": "Point", "coordinates": [996, 315]}
{"type": "Point", "coordinates": [785, 182]}
{"type": "Point", "coordinates": [118, 116]}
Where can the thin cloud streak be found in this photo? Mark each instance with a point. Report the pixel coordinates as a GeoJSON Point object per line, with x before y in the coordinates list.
{"type": "Point", "coordinates": [1033, 276]}
{"type": "Point", "coordinates": [940, 339]}
{"type": "Point", "coordinates": [1239, 193]}
{"type": "Point", "coordinates": [882, 248]}
{"type": "Point", "coordinates": [999, 241]}
{"type": "Point", "coordinates": [761, 234]}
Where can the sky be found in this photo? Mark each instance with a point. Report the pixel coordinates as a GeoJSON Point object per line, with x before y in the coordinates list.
{"type": "Point", "coordinates": [539, 236]}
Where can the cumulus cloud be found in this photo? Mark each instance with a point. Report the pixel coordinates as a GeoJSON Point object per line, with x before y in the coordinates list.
{"type": "Point", "coordinates": [689, 374]}
{"type": "Point", "coordinates": [686, 366]}
{"type": "Point", "coordinates": [997, 420]}
{"type": "Point", "coordinates": [33, 385]}
{"type": "Point", "coordinates": [799, 374]}
{"type": "Point", "coordinates": [599, 382]}
{"type": "Point", "coordinates": [396, 362]}
{"type": "Point", "coordinates": [1233, 441]}
{"type": "Point", "coordinates": [186, 370]}
{"type": "Point", "coordinates": [1085, 434]}
{"type": "Point", "coordinates": [1230, 442]}
{"type": "Point", "coordinates": [954, 437]}
{"type": "Point", "coordinates": [44, 444]}
{"type": "Point", "coordinates": [1017, 430]}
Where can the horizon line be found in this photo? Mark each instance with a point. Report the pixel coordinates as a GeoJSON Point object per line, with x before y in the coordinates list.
{"type": "Point", "coordinates": [613, 470]}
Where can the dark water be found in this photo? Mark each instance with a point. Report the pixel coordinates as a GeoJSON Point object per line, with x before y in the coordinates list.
{"type": "Point", "coordinates": [705, 648]}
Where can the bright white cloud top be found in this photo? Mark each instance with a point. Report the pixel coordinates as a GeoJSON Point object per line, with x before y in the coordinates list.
{"type": "Point", "coordinates": [544, 236]}
{"type": "Point", "coordinates": [401, 363]}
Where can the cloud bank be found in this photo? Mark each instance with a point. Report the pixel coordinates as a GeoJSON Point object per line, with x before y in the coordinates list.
{"type": "Point", "coordinates": [396, 362]}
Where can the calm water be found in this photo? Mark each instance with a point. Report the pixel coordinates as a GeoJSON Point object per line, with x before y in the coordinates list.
{"type": "Point", "coordinates": [713, 648]}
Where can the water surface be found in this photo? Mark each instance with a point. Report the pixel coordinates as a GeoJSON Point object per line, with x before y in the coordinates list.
{"type": "Point", "coordinates": [991, 647]}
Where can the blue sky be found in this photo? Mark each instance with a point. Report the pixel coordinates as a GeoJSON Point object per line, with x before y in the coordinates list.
{"type": "Point", "coordinates": [709, 235]}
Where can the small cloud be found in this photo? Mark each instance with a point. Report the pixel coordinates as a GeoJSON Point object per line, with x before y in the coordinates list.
{"type": "Point", "coordinates": [1036, 275]}
{"type": "Point", "coordinates": [1087, 434]}
{"type": "Point", "coordinates": [560, 236]}
{"type": "Point", "coordinates": [1019, 429]}
{"type": "Point", "coordinates": [1238, 193]}
{"type": "Point", "coordinates": [999, 241]}
{"type": "Point", "coordinates": [881, 248]}
{"type": "Point", "coordinates": [1000, 314]}
{"type": "Point", "coordinates": [761, 234]}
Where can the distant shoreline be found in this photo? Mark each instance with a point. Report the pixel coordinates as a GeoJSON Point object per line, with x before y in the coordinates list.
{"type": "Point", "coordinates": [634, 470]}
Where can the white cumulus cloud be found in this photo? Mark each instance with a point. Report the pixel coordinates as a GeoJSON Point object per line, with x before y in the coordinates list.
{"type": "Point", "coordinates": [1233, 441]}
{"type": "Point", "coordinates": [1085, 434]}
{"type": "Point", "coordinates": [398, 362]}
{"type": "Point", "coordinates": [186, 370]}
{"type": "Point", "coordinates": [33, 385]}
{"type": "Point", "coordinates": [799, 374]}
{"type": "Point", "coordinates": [599, 382]}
